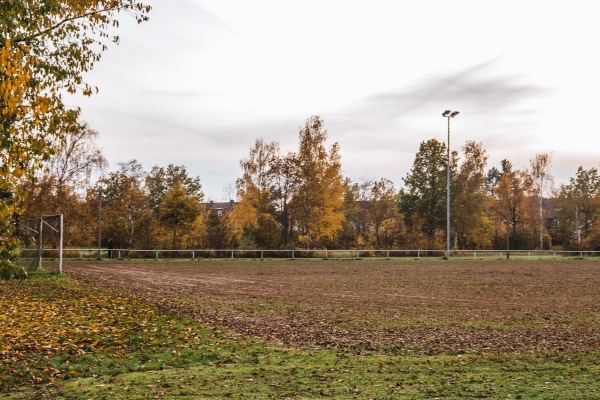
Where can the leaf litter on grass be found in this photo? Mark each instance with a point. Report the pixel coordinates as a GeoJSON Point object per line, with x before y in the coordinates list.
{"type": "Point", "coordinates": [129, 335]}
{"type": "Point", "coordinates": [53, 331]}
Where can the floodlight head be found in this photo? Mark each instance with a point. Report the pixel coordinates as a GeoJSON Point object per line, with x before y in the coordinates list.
{"type": "Point", "coordinates": [446, 113]}
{"type": "Point", "coordinates": [454, 113]}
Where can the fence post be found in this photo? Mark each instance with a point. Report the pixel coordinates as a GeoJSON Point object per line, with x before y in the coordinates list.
{"type": "Point", "coordinates": [326, 254]}
{"type": "Point", "coordinates": [293, 256]}
{"type": "Point", "coordinates": [261, 254]}
{"type": "Point", "coordinates": [356, 254]}
{"type": "Point", "coordinates": [387, 254]}
{"type": "Point", "coordinates": [418, 254]}
{"type": "Point", "coordinates": [232, 254]}
{"type": "Point", "coordinates": [156, 255]}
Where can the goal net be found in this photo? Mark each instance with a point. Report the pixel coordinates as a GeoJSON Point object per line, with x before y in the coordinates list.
{"type": "Point", "coordinates": [43, 242]}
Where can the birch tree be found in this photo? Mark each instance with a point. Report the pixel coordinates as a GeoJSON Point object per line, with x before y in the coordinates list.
{"type": "Point", "coordinates": [540, 165]}
{"type": "Point", "coordinates": [470, 199]}
{"type": "Point", "coordinates": [256, 189]}
{"type": "Point", "coordinates": [286, 172]}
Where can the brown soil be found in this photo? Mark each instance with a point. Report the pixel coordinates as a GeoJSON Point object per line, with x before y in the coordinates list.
{"type": "Point", "coordinates": [394, 307]}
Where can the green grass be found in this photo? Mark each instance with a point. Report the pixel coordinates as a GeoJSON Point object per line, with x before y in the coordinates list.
{"type": "Point", "coordinates": [275, 373]}
{"type": "Point", "coordinates": [65, 340]}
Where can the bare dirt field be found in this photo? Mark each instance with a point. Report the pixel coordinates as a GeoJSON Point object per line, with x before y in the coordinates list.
{"type": "Point", "coordinates": [392, 307]}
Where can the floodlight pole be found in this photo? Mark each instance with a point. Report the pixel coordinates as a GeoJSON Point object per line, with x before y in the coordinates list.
{"type": "Point", "coordinates": [448, 114]}
{"type": "Point", "coordinates": [448, 196]}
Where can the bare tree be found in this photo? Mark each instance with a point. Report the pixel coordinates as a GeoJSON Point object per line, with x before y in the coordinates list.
{"type": "Point", "coordinates": [74, 164]}
{"type": "Point", "coordinates": [229, 191]}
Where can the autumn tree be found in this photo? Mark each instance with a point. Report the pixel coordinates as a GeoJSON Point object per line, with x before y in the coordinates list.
{"type": "Point", "coordinates": [286, 185]}
{"type": "Point", "coordinates": [301, 194]}
{"type": "Point", "coordinates": [371, 217]}
{"type": "Point", "coordinates": [577, 206]}
{"type": "Point", "coordinates": [45, 49]}
{"type": "Point", "coordinates": [592, 240]}
{"type": "Point", "coordinates": [469, 199]}
{"type": "Point", "coordinates": [354, 227]}
{"type": "Point", "coordinates": [178, 210]}
{"type": "Point", "coordinates": [320, 188]}
{"type": "Point", "coordinates": [68, 171]}
{"type": "Point", "coordinates": [381, 210]}
{"type": "Point", "coordinates": [61, 187]}
{"type": "Point", "coordinates": [491, 180]}
{"type": "Point", "coordinates": [174, 197]}
{"type": "Point", "coordinates": [42, 199]}
{"type": "Point", "coordinates": [161, 180]}
{"type": "Point", "coordinates": [256, 190]}
{"type": "Point", "coordinates": [513, 203]}
{"type": "Point", "coordinates": [125, 212]}
{"type": "Point", "coordinates": [423, 197]}
{"type": "Point", "coordinates": [216, 230]}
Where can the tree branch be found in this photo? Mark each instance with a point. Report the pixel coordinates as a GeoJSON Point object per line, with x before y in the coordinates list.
{"type": "Point", "coordinates": [64, 21]}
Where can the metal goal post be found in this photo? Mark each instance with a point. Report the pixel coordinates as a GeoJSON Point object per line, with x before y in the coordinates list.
{"type": "Point", "coordinates": [42, 228]}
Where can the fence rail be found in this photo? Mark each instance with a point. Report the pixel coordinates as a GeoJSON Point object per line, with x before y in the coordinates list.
{"type": "Point", "coordinates": [79, 253]}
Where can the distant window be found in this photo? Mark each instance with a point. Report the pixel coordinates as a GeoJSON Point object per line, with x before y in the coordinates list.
{"type": "Point", "coordinates": [219, 211]}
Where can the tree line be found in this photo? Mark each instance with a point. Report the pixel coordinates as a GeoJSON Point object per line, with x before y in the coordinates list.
{"type": "Point", "coordinates": [48, 159]}
{"type": "Point", "coordinates": [301, 199]}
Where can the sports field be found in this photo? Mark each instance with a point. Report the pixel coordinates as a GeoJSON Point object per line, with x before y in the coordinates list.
{"type": "Point", "coordinates": [389, 307]}
{"type": "Point", "coordinates": [334, 329]}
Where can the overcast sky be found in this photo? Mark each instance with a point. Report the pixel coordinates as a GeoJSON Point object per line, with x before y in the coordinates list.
{"type": "Point", "coordinates": [203, 79]}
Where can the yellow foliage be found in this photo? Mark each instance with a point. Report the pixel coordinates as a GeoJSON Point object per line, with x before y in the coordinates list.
{"type": "Point", "coordinates": [244, 215]}
{"type": "Point", "coordinates": [41, 321]}
{"type": "Point", "coordinates": [46, 50]}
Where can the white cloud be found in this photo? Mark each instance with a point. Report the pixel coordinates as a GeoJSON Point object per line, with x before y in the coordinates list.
{"type": "Point", "coordinates": [199, 82]}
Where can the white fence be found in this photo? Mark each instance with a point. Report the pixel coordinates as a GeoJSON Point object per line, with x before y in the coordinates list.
{"type": "Point", "coordinates": [306, 254]}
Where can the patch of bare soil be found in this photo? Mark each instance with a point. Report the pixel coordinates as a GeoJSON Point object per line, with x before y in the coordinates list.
{"type": "Point", "coordinates": [394, 307]}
